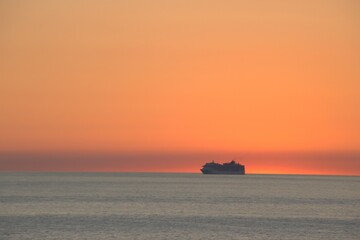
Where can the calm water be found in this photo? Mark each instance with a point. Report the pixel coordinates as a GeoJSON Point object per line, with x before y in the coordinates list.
{"type": "Point", "coordinates": [177, 206]}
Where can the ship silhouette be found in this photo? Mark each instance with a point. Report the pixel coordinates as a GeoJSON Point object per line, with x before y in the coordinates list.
{"type": "Point", "coordinates": [225, 168]}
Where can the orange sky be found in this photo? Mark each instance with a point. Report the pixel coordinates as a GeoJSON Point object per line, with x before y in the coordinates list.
{"type": "Point", "coordinates": [173, 77]}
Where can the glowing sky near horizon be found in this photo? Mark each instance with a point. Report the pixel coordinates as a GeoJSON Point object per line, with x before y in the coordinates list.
{"type": "Point", "coordinates": [182, 76]}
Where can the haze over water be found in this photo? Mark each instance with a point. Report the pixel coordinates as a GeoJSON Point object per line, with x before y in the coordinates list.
{"type": "Point", "coordinates": [178, 206]}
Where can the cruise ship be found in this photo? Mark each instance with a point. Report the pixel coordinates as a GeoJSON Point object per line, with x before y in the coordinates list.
{"type": "Point", "coordinates": [226, 168]}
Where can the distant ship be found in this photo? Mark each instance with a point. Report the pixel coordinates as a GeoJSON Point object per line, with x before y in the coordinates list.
{"type": "Point", "coordinates": [226, 168]}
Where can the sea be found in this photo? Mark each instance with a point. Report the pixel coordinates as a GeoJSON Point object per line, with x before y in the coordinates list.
{"type": "Point", "coordinates": [178, 206]}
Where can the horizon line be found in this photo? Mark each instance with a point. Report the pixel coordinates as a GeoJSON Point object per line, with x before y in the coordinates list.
{"type": "Point", "coordinates": [199, 173]}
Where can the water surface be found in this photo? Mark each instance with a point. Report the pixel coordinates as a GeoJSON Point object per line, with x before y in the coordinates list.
{"type": "Point", "coordinates": [178, 206]}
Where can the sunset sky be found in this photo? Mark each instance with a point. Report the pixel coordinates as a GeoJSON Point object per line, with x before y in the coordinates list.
{"type": "Point", "coordinates": [163, 86]}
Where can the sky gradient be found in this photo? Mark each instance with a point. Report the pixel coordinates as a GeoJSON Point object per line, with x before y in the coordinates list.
{"type": "Point", "coordinates": [273, 83]}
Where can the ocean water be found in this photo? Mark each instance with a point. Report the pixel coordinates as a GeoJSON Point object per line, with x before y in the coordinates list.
{"type": "Point", "coordinates": [178, 206]}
